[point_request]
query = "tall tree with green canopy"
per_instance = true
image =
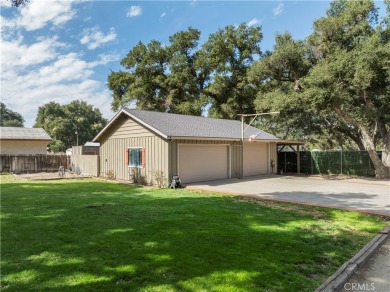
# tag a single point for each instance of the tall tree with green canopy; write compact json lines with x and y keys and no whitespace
{"x":9,"y":118}
{"x":276,"y":77}
{"x":343,"y":89}
{"x":231,"y":52}
{"x":18,"y":3}
{"x":351,"y":76}
{"x":62,"y":121}
{"x":183,"y":77}
{"x":163,"y":78}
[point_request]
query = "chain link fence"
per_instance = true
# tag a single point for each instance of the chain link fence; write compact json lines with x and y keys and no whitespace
{"x":328,"y":162}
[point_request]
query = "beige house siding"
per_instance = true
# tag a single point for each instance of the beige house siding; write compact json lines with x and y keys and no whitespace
{"x":128,"y":133}
{"x":161,"y":154}
{"x":127,"y":128}
{"x":273,"y":156}
{"x":23,"y":147}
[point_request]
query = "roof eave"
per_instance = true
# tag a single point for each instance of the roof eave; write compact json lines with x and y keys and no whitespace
{"x":24,"y":139}
{"x":107,"y":126}
{"x":202,"y":138}
{"x":146,"y":125}
{"x":290,"y":142}
{"x":115,"y":118}
{"x":220,"y":138}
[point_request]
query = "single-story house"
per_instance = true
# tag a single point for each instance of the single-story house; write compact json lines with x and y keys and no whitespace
{"x":27,"y":141}
{"x":195,"y":148}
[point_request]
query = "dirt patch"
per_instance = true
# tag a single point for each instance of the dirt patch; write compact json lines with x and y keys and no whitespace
{"x":283,"y":206}
{"x":48,"y":176}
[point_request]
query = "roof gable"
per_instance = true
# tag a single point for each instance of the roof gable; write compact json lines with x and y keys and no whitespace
{"x":17,"y":133}
{"x":174,"y":126}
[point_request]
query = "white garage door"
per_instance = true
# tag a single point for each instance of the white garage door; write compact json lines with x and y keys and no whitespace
{"x":203,"y":162}
{"x":255,"y":159}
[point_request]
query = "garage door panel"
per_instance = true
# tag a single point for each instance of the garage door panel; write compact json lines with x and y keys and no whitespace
{"x":203,"y":162}
{"x":255,"y":159}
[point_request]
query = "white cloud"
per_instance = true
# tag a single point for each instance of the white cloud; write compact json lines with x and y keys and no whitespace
{"x":104,"y":59}
{"x":163,"y":15}
{"x":134,"y":11}
{"x":278,"y":9}
{"x":5,"y":3}
{"x":15,"y":53}
{"x":253,"y":21}
{"x":94,"y":38}
{"x":37,"y":13}
{"x":40,"y":67}
{"x":193,"y":2}
{"x":67,"y":78}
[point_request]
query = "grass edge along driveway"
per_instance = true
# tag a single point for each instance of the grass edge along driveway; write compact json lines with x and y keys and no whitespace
{"x":91,"y":235}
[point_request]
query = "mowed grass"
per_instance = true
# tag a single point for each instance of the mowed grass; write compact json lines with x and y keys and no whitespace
{"x":91,"y":235}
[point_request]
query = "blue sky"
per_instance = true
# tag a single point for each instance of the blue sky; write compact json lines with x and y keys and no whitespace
{"x":60,"y":50}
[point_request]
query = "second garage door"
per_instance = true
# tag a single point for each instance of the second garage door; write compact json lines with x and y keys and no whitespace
{"x":203,"y":162}
{"x":255,"y":159}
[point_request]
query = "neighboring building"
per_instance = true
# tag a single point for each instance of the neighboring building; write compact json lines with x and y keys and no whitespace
{"x":15,"y":141}
{"x":195,"y":148}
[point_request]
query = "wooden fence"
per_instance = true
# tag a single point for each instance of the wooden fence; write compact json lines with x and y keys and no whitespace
{"x":85,"y":164}
{"x":32,"y":163}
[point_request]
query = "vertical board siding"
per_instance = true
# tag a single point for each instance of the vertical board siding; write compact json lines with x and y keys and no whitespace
{"x":126,"y":133}
{"x":112,"y":157}
{"x":274,"y":155}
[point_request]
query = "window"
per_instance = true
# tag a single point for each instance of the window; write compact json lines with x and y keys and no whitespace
{"x":135,"y":157}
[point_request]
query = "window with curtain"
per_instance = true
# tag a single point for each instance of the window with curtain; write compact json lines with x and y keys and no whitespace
{"x":135,"y":157}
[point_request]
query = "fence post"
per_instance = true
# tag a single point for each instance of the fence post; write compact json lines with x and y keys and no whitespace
{"x":285,"y":167}
{"x":341,"y":164}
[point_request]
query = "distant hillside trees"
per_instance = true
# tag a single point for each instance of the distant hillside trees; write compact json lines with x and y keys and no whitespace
{"x":62,"y":122}
{"x":9,"y":118}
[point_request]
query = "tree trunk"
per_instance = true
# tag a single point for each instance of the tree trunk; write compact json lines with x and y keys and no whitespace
{"x":382,"y":170}
{"x":382,"y":167}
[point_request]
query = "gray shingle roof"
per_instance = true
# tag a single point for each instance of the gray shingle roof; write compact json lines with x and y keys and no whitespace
{"x":15,"y":133}
{"x":175,"y":125}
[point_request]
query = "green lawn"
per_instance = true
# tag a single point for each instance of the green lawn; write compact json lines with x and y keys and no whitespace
{"x":91,"y":235}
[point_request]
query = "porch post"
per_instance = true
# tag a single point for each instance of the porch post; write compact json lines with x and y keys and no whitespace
{"x":298,"y":160}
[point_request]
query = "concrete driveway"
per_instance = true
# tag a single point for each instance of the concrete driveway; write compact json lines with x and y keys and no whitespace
{"x":367,"y":195}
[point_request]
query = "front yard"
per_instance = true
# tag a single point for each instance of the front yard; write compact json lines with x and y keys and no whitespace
{"x":93,"y":235}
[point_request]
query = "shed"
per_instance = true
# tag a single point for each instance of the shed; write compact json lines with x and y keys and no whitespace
{"x":195,"y":148}
{"x":27,"y":141}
